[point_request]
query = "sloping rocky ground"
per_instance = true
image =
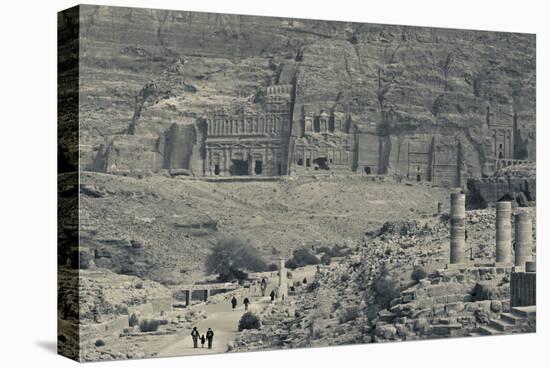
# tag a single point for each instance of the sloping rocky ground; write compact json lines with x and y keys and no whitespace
{"x":101,"y":310}
{"x":339,"y":309}
{"x":162,"y":228}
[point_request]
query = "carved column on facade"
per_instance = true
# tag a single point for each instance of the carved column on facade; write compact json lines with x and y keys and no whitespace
{"x":225,"y":171}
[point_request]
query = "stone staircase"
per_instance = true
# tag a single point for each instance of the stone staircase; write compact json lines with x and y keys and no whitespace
{"x":518,"y":320}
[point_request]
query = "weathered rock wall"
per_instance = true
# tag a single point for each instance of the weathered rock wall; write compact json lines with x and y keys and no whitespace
{"x":486,"y":191}
{"x":162,"y":66}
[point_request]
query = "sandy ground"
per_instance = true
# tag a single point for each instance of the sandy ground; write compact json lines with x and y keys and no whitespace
{"x":224,"y":320}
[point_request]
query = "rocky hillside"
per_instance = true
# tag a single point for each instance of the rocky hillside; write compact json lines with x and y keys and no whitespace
{"x":141,"y":70}
{"x":376,"y":298}
{"x":162,"y":228}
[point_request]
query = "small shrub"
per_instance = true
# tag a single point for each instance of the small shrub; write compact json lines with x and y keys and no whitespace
{"x":344,"y":277}
{"x":349,"y":314}
{"x":139,"y":285}
{"x":121,"y":309}
{"x":291,"y":264}
{"x":230,"y":257}
{"x":133,"y":320}
{"x":304,"y":257}
{"x":313,"y":286}
{"x":99,"y":343}
{"x":149,"y":325}
{"x":386,"y":287}
{"x":272,"y":267}
{"x":418,"y":274}
{"x":249,"y":321}
{"x":325,"y":259}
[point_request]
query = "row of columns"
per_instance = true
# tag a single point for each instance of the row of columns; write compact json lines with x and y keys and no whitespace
{"x":523,"y":233}
{"x":269,"y":125}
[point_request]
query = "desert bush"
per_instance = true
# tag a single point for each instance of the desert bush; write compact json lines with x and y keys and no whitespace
{"x":99,"y":343}
{"x":139,"y":285}
{"x":301,"y":257}
{"x":349,"y":314}
{"x":149,"y":325}
{"x":344,"y":277}
{"x":230,"y":257}
{"x":133,"y":320}
{"x":325,"y":259}
{"x":313,"y":286}
{"x":291,"y":264}
{"x":272,"y":267}
{"x":121,"y":309}
{"x":418,"y":273}
{"x":249,"y":321}
{"x":386,"y":287}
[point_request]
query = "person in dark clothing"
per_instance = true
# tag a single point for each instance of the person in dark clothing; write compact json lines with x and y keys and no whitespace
{"x":195,"y":335}
{"x":233,"y":303}
{"x":263,"y":286}
{"x":209,"y":337}
{"x":203,"y":340}
{"x":246,"y":302}
{"x":272,"y":295}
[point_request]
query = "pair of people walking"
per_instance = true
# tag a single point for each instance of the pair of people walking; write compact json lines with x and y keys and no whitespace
{"x":234,"y":302}
{"x":195,"y":335}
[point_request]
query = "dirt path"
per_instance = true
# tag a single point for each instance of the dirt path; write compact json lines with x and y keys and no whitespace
{"x":224,"y":320}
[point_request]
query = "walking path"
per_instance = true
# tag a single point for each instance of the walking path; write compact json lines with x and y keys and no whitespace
{"x":224,"y":321}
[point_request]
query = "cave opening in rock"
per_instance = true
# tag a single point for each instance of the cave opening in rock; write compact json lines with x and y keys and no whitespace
{"x":367,"y":170}
{"x":322,"y":163}
{"x":300,"y":162}
{"x":216,"y":169}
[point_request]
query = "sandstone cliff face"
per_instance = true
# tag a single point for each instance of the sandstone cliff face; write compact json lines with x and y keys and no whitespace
{"x":144,"y":69}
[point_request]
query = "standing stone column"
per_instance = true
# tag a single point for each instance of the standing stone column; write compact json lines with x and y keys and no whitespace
{"x":524,"y":244}
{"x":458,"y":229}
{"x":282,"y":291}
{"x":504,"y":232}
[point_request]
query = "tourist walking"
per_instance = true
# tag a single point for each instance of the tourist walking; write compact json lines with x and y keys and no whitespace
{"x":209,"y":337}
{"x":272,"y":295}
{"x":263,"y":286}
{"x":203,"y":340}
{"x":246,"y":303}
{"x":195,"y":335}
{"x":233,"y":303}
